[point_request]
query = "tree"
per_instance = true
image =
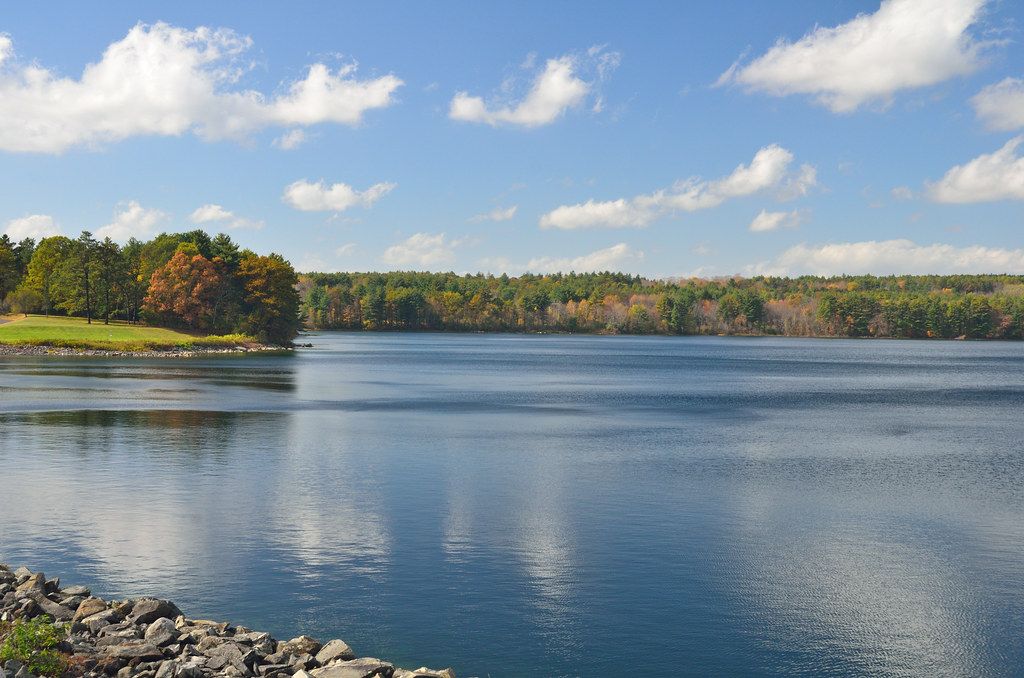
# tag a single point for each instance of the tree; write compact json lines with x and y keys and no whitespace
{"x":184,"y":291}
{"x":10,"y":267}
{"x":72,"y":286}
{"x":48,"y":259}
{"x":109,"y":271}
{"x":270,"y":300}
{"x":24,"y":300}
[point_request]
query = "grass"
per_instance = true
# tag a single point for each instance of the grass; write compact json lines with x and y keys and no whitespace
{"x":37,"y":330}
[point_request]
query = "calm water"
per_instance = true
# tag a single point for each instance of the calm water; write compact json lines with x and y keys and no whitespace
{"x":547,"y":506}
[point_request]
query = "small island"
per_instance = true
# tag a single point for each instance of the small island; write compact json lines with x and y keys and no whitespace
{"x":179,"y":294}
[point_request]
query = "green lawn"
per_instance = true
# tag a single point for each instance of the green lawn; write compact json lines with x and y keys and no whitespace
{"x":118,"y":336}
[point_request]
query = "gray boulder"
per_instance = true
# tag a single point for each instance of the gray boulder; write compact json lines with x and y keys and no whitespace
{"x":148,"y":610}
{"x":138,"y":649}
{"x":335,"y":649}
{"x":161,"y":632}
{"x":366,"y":667}
{"x":300,"y":645}
{"x":89,"y":607}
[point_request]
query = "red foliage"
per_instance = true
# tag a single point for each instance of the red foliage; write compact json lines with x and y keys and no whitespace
{"x":185,"y":289}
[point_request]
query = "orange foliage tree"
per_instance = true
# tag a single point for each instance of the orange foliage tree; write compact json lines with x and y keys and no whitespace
{"x":185,"y":290}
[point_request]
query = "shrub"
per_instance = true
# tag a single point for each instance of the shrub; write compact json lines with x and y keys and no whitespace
{"x":33,"y":643}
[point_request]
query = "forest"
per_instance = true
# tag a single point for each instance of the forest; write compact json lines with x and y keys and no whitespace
{"x":922,"y":306}
{"x":189,"y":281}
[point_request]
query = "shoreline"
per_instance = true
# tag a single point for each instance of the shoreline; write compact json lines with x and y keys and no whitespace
{"x":49,"y":350}
{"x":152,"y":638}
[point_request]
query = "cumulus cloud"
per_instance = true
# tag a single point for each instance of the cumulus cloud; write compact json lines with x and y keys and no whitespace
{"x":1001,"y":106}
{"x":35,"y":226}
{"x":319,"y":197}
{"x":163,"y":80}
{"x":989,"y":177}
{"x":772,"y":221}
{"x":346,"y":250}
{"x":497,"y":214}
{"x":884,"y":257}
{"x":422,"y":251}
{"x":905,"y":44}
{"x":611,"y":258}
{"x":556,"y":89}
{"x":768,"y":170}
{"x":291,"y":139}
{"x":215,"y":214}
{"x":132,"y":220}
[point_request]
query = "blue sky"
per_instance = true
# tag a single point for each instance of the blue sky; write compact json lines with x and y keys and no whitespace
{"x":847,"y":136}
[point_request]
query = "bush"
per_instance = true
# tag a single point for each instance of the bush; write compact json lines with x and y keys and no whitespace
{"x":33,"y":643}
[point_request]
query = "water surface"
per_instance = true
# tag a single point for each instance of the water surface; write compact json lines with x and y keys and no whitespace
{"x":547,"y":505}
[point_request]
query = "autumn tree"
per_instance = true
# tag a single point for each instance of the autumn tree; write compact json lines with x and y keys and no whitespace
{"x":270,"y":299}
{"x":184,"y":291}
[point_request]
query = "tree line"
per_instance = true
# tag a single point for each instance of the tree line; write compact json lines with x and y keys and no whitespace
{"x":188,"y":281}
{"x":954,"y":306}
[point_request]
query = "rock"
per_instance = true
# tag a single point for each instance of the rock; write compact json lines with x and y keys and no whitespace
{"x":424,"y":672}
{"x":335,"y":649}
{"x":148,"y":610}
{"x":70,"y":602}
{"x":232,"y":655}
{"x":139,"y":649}
{"x":367,"y":667}
{"x":302,"y":661}
{"x":161,"y":632}
{"x":55,"y":610}
{"x":75,"y":591}
{"x":34,"y":582}
{"x":209,"y":643}
{"x":300,"y":645}
{"x":22,"y":572}
{"x":168,"y":669}
{"x":89,"y":607}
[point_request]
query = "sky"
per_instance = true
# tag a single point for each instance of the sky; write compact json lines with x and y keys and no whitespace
{"x":669,"y":139}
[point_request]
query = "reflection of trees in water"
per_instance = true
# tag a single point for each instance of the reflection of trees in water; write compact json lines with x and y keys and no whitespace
{"x":192,"y":433}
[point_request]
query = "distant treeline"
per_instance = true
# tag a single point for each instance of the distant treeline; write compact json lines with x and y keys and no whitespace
{"x":182,"y":280}
{"x":969,"y":306}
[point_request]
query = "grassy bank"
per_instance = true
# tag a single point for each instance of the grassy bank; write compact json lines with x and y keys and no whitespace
{"x":35,"y":330}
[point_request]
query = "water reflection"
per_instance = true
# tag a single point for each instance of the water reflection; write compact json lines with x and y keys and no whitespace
{"x":547,"y":506}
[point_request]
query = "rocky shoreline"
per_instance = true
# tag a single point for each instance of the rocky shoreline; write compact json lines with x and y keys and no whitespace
{"x":70,"y":352}
{"x":151,"y":638}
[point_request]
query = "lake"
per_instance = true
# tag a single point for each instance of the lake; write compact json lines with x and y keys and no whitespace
{"x":547,"y":505}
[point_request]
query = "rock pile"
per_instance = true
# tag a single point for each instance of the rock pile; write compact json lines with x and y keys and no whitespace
{"x":151,"y":638}
{"x":66,"y":352}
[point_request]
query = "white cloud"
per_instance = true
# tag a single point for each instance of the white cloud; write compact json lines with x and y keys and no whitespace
{"x":35,"y":226}
{"x":616,"y":257}
{"x":771,"y":221}
{"x":497,"y":214}
{"x":768,"y":170}
{"x":554,"y":90}
{"x":989,"y":177}
{"x":422,"y":251}
{"x":319,"y":197}
{"x":346,"y":250}
{"x":168,"y":81}
{"x":891,"y":257}
{"x":131,"y":220}
{"x":902,"y":193}
{"x":1001,"y":106}
{"x":291,"y":139}
{"x":905,"y":44}
{"x":215,"y":214}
